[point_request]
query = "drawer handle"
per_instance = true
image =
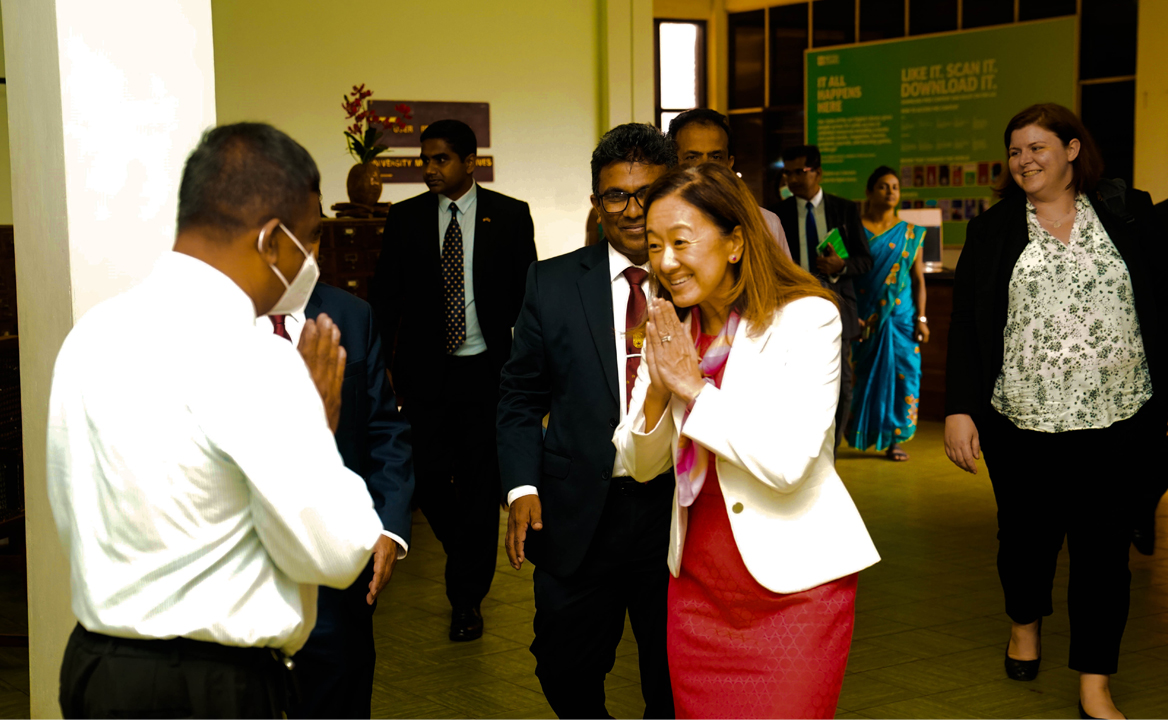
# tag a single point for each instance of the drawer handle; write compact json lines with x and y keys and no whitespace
{"x":350,"y":257}
{"x":380,"y":231}
{"x":350,"y":231}
{"x":352,"y":283}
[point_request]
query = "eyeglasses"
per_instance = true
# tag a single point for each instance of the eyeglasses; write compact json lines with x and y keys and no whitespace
{"x":796,"y":172}
{"x":615,"y":201}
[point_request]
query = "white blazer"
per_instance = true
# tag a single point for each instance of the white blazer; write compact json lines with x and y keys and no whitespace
{"x":771,"y":428}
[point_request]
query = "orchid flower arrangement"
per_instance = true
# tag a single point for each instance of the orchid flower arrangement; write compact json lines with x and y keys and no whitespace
{"x":367,"y":126}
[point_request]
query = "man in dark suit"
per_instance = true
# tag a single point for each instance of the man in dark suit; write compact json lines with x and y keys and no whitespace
{"x":807,"y":218}
{"x":597,"y":537}
{"x":448,"y":287}
{"x":334,"y":669}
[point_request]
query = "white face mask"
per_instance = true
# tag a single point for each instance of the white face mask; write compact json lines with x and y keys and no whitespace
{"x":785,"y":192}
{"x":297,"y":292}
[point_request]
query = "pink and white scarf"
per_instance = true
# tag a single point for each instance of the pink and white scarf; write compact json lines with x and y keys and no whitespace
{"x":693,"y":460}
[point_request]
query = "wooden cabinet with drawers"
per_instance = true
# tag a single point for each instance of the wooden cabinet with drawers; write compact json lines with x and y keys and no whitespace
{"x":348,"y":253}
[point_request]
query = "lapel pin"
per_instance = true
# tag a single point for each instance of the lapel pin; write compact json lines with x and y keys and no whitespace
{"x":486,"y":219}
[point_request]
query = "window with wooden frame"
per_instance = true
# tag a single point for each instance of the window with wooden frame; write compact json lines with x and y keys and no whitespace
{"x":680,"y":67}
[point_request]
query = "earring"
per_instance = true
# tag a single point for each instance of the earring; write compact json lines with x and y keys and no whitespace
{"x":733,"y":258}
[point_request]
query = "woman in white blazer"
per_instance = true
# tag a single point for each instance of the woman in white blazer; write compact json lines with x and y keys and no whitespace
{"x":738,"y":392}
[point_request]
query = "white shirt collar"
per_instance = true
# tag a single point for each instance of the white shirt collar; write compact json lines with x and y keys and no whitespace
{"x":618,"y":263}
{"x":814,"y":201}
{"x":464,"y":203}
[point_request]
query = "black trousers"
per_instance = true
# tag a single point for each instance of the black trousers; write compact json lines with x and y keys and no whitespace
{"x":456,"y":470}
{"x":1080,"y":485}
{"x":847,"y":379}
{"x":108,"y":677}
{"x":334,"y":669}
{"x":579,"y":620}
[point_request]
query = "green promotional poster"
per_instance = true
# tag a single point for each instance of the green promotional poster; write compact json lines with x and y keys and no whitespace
{"x":934,"y":108}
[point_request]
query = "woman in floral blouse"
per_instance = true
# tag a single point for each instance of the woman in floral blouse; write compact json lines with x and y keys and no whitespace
{"x":1054,"y":351}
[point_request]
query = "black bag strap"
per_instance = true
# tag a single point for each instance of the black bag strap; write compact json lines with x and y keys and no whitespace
{"x":1111,"y":192}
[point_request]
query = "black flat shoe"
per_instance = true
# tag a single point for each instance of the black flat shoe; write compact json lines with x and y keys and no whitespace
{"x":1024,"y":670}
{"x":466,"y":624}
{"x":1083,"y":712}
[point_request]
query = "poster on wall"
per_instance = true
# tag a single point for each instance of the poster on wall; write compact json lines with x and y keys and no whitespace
{"x":402,"y":169}
{"x":934,"y":109}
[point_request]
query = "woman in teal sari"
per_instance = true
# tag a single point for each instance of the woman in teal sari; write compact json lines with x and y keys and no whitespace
{"x":891,"y":302}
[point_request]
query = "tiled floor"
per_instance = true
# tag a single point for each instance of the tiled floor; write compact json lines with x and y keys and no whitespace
{"x":930,"y":631}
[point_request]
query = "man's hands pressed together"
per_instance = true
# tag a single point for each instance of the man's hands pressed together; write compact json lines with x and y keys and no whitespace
{"x":320,"y":346}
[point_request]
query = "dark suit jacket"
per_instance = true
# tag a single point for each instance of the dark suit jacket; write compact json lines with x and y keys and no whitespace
{"x":842,"y":214}
{"x":372,"y":436}
{"x":563,"y":363}
{"x":407,"y":286}
{"x":994,"y":241}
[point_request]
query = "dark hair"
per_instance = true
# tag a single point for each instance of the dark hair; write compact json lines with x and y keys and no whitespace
{"x":765,"y":279}
{"x":702,"y":116}
{"x":631,"y":142}
{"x":457,"y":135}
{"x":1087,"y":167}
{"x":879,"y":173}
{"x":803,"y":151}
{"x":242,"y":175}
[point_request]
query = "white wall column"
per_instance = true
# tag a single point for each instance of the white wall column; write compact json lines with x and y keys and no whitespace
{"x":103,"y":106}
{"x":627,"y":61}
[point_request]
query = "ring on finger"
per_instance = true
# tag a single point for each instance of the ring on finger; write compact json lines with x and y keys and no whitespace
{"x":666,"y":338}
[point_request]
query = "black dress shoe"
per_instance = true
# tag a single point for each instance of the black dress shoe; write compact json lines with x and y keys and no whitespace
{"x":466,"y":624}
{"x":1083,"y":712}
{"x":1024,"y":670}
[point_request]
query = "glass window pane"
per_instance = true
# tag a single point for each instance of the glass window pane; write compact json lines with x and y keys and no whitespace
{"x":987,"y":12}
{"x":748,"y":151}
{"x":1108,"y":44}
{"x":678,"y":60}
{"x":1109,"y":112}
{"x":931,"y":16}
{"x":747,"y":55}
{"x":788,"y":41}
{"x":833,"y":22}
{"x":1039,"y":9}
{"x":667,"y":117}
{"x":881,"y":19}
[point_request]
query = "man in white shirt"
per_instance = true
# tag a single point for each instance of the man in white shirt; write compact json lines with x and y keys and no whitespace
{"x":598,"y":539}
{"x":703,"y":135}
{"x":186,"y":454}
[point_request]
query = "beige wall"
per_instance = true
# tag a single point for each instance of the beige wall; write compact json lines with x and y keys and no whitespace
{"x":1151,"y":170}
{"x":556,"y":74}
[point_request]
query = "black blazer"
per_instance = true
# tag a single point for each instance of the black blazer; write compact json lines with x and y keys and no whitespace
{"x":372,"y":436}
{"x":842,"y":214}
{"x":563,"y":363}
{"x":994,"y":241}
{"x":407,"y":286}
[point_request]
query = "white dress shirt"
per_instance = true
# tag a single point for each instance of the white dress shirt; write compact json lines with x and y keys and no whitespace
{"x":294,"y":326}
{"x":186,"y":460}
{"x":775,"y":226}
{"x":468,"y":206}
{"x":820,"y":227}
{"x":617,"y":263}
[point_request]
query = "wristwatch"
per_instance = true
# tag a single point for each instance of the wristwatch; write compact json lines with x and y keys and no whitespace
{"x":923,"y":319}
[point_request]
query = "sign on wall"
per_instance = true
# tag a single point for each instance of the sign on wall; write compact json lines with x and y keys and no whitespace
{"x":475,"y":114}
{"x":934,"y":108}
{"x":405,"y":169}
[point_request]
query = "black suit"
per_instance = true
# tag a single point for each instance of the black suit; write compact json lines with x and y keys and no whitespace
{"x":603,"y":546}
{"x":842,"y":214}
{"x":335,"y":668}
{"x":1077,"y":484}
{"x":451,"y":401}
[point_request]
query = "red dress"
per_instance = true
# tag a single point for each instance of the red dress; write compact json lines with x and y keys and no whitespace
{"x":738,"y":650}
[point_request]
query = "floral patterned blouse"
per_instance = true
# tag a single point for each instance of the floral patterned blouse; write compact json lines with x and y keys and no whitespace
{"x":1074,"y":356}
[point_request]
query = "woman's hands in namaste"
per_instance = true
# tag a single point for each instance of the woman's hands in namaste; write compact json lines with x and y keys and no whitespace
{"x":670,"y":354}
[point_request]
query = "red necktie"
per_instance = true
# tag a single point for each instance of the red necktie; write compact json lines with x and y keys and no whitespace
{"x":634,"y":316}
{"x":278,"y":326}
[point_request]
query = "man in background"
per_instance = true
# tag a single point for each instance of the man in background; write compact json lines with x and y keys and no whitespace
{"x":448,"y":287}
{"x":809,"y":216}
{"x":334,"y":669}
{"x":598,"y":538}
{"x":703,"y":136}
{"x":186,"y":454}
